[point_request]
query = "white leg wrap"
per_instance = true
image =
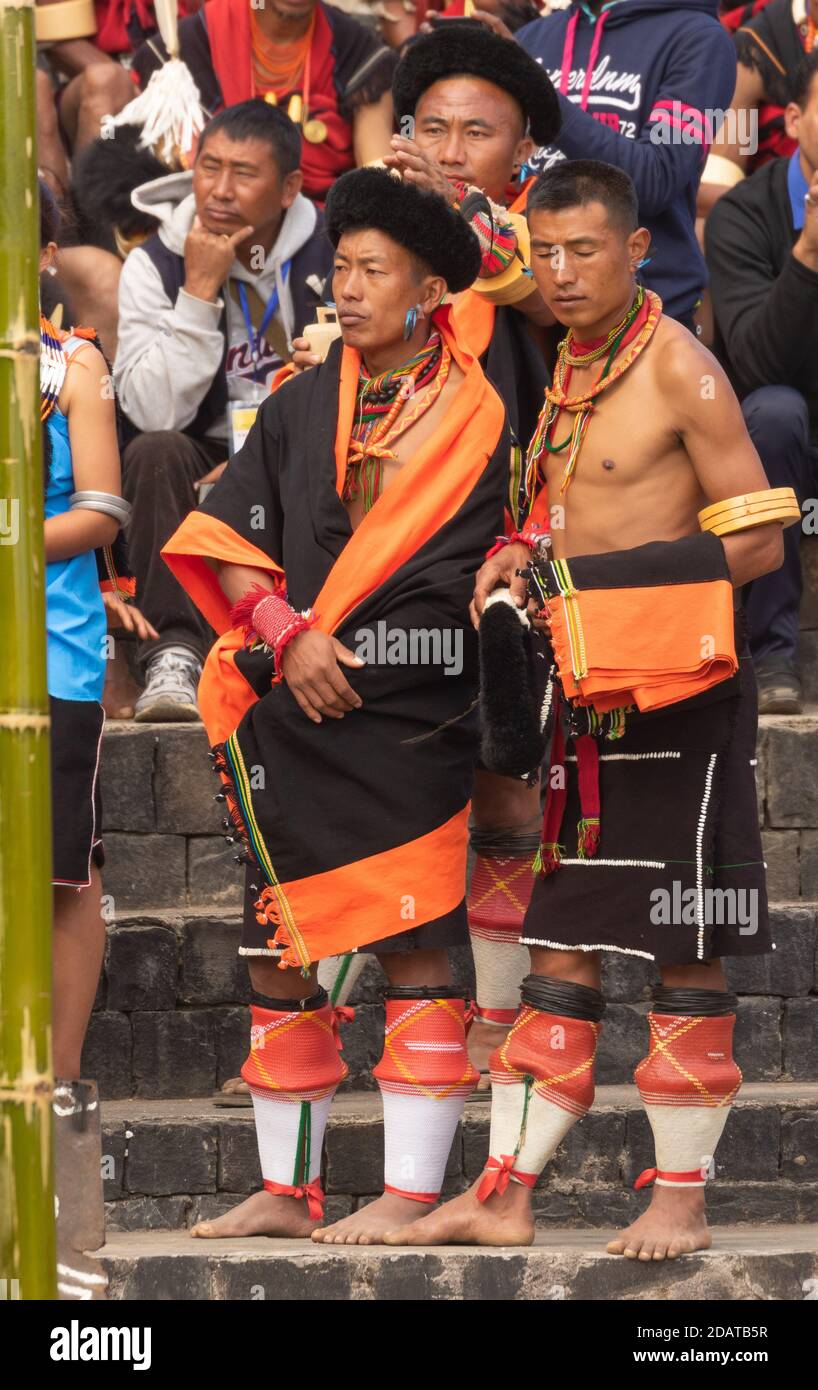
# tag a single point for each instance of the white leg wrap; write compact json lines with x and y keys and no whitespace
{"x":546,"y":1125}
{"x":686,"y":1137}
{"x":279,"y":1123}
{"x":500,"y":966}
{"x":418,"y":1134}
{"x":343,"y":973}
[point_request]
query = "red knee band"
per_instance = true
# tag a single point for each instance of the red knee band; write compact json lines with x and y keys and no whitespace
{"x":499,"y":894}
{"x":424,"y":1048}
{"x":296,"y":1055}
{"x":690,"y":1061}
{"x":557,"y":1051}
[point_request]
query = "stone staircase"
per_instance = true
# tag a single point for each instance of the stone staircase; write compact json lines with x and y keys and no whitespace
{"x":170,"y":1025}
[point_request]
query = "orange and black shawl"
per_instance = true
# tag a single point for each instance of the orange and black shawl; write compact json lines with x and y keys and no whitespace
{"x":358,"y":825}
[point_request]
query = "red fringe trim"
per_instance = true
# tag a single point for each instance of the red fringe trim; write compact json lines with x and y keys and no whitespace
{"x":241,"y":614}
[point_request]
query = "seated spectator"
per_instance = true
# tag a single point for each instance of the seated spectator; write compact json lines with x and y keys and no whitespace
{"x":208,"y":309}
{"x":770,"y":45}
{"x":82,"y":78}
{"x":329,"y":72}
{"x":624,"y":73}
{"x":762,"y":250}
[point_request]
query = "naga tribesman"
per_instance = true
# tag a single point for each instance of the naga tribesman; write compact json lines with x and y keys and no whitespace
{"x":651,"y":704}
{"x":376,"y":481}
{"x":470,"y":108}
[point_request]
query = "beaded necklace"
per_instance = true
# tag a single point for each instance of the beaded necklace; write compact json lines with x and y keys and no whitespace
{"x":53,"y":366}
{"x":633,"y":332}
{"x":278,"y":66}
{"x":379,"y":419}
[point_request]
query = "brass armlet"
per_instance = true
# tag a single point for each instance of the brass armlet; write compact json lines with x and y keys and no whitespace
{"x":751,"y":509}
{"x":67,"y":19}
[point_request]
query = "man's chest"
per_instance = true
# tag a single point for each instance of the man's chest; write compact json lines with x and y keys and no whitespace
{"x":626,"y":439}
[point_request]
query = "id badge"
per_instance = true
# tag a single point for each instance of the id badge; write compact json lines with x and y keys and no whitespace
{"x":242,"y":418}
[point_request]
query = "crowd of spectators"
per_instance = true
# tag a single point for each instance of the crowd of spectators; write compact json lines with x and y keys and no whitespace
{"x":201,"y":258}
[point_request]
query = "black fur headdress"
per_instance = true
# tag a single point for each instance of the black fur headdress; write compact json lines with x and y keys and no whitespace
{"x":467,"y":47}
{"x":423,"y":223}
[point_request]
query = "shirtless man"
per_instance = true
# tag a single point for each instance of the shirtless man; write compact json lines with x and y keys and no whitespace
{"x":664,"y":440}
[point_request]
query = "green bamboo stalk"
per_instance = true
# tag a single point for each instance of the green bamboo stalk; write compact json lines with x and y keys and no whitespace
{"x":27,"y":1234}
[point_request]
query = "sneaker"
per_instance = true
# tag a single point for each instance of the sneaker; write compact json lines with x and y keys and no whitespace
{"x":169,"y":696}
{"x":779,"y":690}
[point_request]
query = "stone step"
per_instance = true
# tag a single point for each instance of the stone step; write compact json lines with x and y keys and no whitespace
{"x":745,"y":1263}
{"x":170,"y":1017}
{"x":168,"y":1164}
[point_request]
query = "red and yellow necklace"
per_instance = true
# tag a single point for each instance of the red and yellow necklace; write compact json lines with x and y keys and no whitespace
{"x":629,"y":337}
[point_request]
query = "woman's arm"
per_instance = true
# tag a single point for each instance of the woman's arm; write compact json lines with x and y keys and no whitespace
{"x":87,"y":400}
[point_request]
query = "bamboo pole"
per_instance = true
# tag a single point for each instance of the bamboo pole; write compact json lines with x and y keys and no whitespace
{"x":27,"y":1235}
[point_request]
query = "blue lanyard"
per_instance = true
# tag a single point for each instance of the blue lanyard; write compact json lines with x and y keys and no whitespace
{"x":253,"y":336}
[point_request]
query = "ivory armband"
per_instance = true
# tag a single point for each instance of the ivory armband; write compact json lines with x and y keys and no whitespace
{"x":751,"y":509}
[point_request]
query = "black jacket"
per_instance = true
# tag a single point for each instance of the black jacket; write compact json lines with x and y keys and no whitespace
{"x":765,"y":301}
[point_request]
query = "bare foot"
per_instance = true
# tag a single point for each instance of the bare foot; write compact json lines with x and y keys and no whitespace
{"x":235,"y":1086}
{"x":674,"y":1224}
{"x":501,"y":1220}
{"x":121,"y":690}
{"x":366,"y":1227}
{"x":483,"y":1039}
{"x":263,"y":1214}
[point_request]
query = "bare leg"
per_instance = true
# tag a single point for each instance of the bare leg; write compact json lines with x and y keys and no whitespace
{"x":674,"y":1223}
{"x":121,"y":691}
{"x":91,"y":280}
{"x":50,"y":152}
{"x":102,"y":89}
{"x":504,"y":1218}
{"x":79,"y":946}
{"x":266,"y":1213}
{"x":366,"y":1227}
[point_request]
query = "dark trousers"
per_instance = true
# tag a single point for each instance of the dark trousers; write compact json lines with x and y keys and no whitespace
{"x":158,"y":473}
{"x":778,"y":422}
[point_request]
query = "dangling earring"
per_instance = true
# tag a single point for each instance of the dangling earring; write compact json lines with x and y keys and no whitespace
{"x":411,"y":321}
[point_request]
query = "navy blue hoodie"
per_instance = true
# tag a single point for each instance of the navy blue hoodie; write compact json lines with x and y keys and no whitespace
{"x":661,"y":66}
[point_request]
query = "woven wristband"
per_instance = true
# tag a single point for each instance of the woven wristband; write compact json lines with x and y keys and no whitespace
{"x":269,"y":619}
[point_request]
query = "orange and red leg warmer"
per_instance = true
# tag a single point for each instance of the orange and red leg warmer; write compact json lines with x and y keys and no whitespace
{"x":542,"y":1080}
{"x":687,"y":1082}
{"x":499,"y":893}
{"x":293,"y":1071}
{"x":425,"y":1077}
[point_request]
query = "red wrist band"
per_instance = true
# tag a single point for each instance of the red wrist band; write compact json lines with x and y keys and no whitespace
{"x":503,"y":541}
{"x":270,"y":619}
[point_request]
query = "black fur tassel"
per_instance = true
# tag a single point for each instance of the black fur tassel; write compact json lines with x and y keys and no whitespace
{"x":512,"y":743}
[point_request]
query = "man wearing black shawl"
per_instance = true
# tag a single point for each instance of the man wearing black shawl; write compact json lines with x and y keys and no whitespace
{"x":376,"y":483}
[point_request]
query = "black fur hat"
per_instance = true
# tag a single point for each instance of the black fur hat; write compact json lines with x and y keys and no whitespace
{"x":423,"y":223}
{"x":467,"y":47}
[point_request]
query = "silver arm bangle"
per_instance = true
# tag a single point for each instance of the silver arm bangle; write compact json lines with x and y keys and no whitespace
{"x":106,"y":502}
